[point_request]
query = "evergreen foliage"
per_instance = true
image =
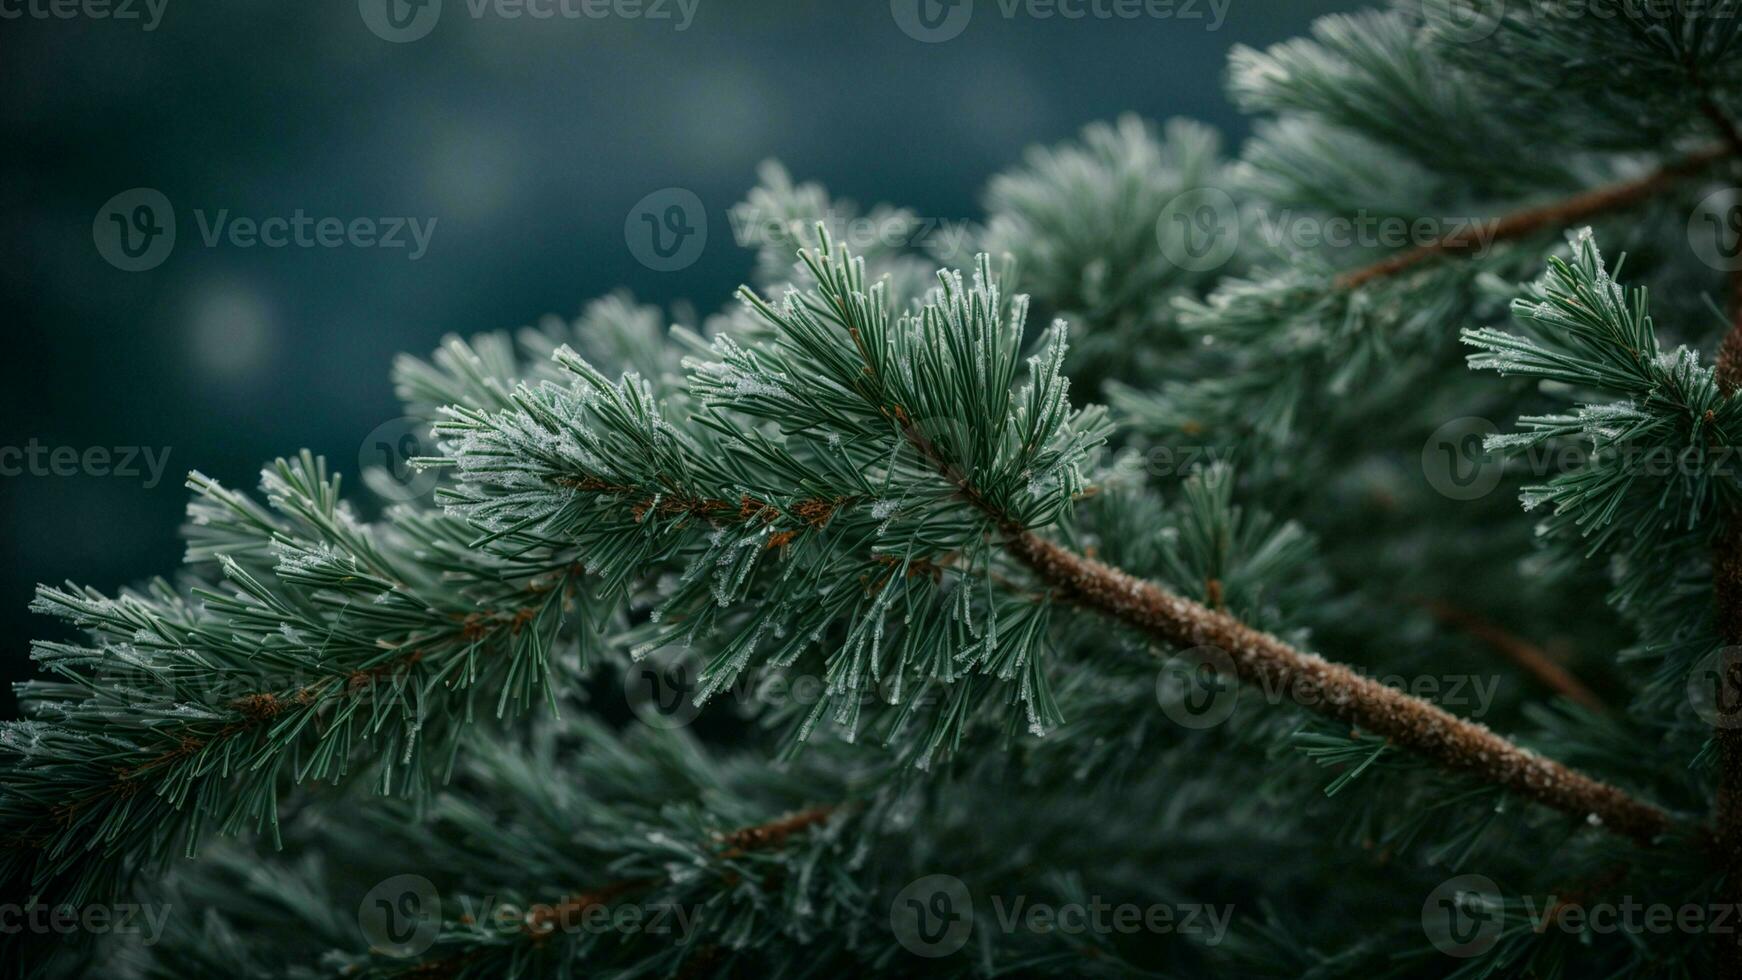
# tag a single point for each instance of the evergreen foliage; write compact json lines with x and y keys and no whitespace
{"x":950,"y":629}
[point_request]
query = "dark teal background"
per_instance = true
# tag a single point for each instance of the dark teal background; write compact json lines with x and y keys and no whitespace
{"x":528,"y":141}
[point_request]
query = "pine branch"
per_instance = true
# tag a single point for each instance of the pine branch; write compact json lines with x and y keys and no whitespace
{"x":841,"y":370}
{"x":1262,"y":659}
{"x":1591,"y":335}
{"x":853,"y":490}
{"x":1556,"y":215}
{"x":334,"y":646}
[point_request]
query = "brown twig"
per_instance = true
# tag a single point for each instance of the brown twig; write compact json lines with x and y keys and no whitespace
{"x":1533,"y":659}
{"x":735,"y":844}
{"x":774,"y":833}
{"x":1548,"y":217}
{"x":1335,"y":690}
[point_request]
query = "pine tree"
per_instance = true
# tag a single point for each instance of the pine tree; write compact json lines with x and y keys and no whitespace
{"x":962,"y":641}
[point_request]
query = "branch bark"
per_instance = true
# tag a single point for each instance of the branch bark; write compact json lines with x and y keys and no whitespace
{"x":1336,"y":691}
{"x":1548,"y":217}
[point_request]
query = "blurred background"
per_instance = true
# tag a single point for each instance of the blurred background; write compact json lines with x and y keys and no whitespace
{"x":518,"y":146}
